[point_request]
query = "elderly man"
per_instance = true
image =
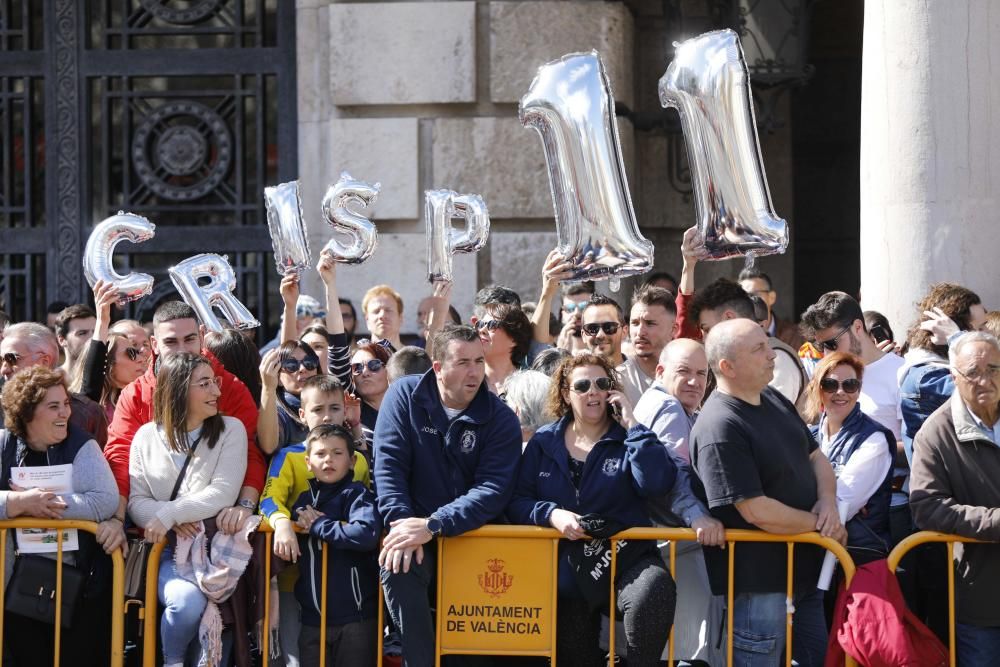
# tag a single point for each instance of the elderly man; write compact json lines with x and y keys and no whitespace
{"x":28,"y":344}
{"x":762,"y":469}
{"x":669,"y":409}
{"x":650,"y":328}
{"x":954,"y":489}
{"x":446,"y":453}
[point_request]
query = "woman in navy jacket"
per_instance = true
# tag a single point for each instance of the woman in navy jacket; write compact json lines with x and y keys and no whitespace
{"x":587,"y":466}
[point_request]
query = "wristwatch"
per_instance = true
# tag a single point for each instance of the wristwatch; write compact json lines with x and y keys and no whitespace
{"x":247,"y":504}
{"x":434,"y":526}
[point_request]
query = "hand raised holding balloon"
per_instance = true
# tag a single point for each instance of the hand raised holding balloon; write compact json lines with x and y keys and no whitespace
{"x":327,"y":268}
{"x":105,"y":295}
{"x":556,"y":269}
{"x":269,"y":369}
{"x":289,"y":289}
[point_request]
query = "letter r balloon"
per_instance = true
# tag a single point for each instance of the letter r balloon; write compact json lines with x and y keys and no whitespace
{"x":709,"y":85}
{"x":218,"y":292}
{"x":97,"y":256}
{"x":443,"y":240}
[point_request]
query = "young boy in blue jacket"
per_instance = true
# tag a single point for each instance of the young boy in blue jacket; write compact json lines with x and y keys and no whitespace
{"x":340,"y":512}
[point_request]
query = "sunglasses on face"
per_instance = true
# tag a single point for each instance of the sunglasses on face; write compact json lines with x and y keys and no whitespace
{"x":609,"y":328}
{"x":11,"y":358}
{"x":830,"y":385}
{"x":292,"y":365}
{"x":570,"y":308}
{"x":489,"y":325}
{"x":134,"y":353}
{"x":373,"y":366}
{"x":583,"y":386}
{"x":831,"y":344}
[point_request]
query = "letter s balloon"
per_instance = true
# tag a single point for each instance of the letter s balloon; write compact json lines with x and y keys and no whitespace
{"x":359,"y":229}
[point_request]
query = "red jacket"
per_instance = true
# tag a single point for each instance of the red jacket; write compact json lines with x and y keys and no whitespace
{"x":135,"y":408}
{"x":872,"y":624}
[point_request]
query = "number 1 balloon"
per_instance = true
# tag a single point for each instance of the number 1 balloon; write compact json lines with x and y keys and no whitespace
{"x":570,"y":105}
{"x":97,"y":256}
{"x":708,"y":84}
{"x":218,"y":292}
{"x":288,"y":231}
{"x":443,"y":240}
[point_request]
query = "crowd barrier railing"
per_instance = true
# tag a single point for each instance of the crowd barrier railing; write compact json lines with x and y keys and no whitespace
{"x":117,"y":638}
{"x":929,"y":537}
{"x":457,"y":553}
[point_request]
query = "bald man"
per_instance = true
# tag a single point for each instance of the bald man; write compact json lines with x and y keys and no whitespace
{"x":669,"y":409}
{"x":761,"y":469}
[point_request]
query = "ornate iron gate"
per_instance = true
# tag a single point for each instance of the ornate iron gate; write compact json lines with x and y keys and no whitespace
{"x":179,"y":110}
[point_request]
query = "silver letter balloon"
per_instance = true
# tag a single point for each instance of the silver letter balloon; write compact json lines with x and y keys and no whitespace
{"x":288,"y":230}
{"x":218,"y":292}
{"x":358,"y":228}
{"x":708,"y":84}
{"x":443,"y":240}
{"x":97,"y":256}
{"x":570,"y":105}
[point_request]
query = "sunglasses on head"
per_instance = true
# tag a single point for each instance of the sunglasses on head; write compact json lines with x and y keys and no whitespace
{"x":570,"y":308}
{"x":609,"y":328}
{"x":830,"y":385}
{"x":292,"y":365}
{"x":489,"y":325}
{"x":583,"y":386}
{"x":373,"y":366}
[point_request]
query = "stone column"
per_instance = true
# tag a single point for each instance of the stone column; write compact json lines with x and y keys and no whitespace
{"x":930,"y":152}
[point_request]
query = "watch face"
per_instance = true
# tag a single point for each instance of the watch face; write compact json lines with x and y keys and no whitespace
{"x":434,"y":526}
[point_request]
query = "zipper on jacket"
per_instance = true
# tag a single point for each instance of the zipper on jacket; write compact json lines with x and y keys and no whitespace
{"x":312,"y":574}
{"x":356,"y":587}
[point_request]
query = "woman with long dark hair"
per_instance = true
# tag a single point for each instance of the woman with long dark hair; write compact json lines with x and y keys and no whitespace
{"x":282,"y":374}
{"x":185,"y":466}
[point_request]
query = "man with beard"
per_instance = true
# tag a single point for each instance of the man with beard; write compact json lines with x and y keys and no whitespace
{"x":603,"y":328}
{"x":651,"y":327}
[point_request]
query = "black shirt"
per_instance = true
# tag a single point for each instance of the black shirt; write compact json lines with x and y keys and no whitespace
{"x":741,"y":451}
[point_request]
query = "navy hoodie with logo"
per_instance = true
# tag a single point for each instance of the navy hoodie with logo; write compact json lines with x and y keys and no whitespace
{"x":462,"y":471}
{"x":622,"y":471}
{"x":351,"y":528}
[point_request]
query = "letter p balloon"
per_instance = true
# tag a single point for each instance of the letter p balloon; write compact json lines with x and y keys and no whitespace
{"x":570,"y":105}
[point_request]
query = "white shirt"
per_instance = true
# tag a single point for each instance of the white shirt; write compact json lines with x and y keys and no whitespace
{"x":880,"y":392}
{"x":787,"y":377}
{"x":864,"y":472}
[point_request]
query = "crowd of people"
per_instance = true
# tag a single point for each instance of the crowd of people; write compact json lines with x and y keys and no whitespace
{"x":684,"y":407}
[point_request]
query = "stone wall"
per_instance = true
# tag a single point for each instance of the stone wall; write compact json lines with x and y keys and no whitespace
{"x":422,"y":95}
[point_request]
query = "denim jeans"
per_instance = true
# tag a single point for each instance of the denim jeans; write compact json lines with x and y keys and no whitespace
{"x":759,"y":629}
{"x":977,"y":646}
{"x":183,"y":604}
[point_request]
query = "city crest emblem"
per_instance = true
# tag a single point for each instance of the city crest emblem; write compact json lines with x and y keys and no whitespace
{"x":495,"y":581}
{"x":468,"y":441}
{"x":610,"y":467}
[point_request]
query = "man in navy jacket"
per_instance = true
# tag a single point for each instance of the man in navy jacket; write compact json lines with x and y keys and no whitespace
{"x":446,"y":456}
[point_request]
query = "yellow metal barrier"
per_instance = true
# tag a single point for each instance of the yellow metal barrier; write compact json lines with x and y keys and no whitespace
{"x":673,"y":535}
{"x":928,"y":537}
{"x":117,"y":582}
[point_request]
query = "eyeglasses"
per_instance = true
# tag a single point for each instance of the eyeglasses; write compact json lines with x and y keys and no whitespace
{"x":489,"y":325}
{"x":583,"y":386}
{"x":570,"y":308}
{"x":292,"y":365}
{"x":208,"y":382}
{"x":609,"y":328}
{"x":831,"y":344}
{"x":830,"y":385}
{"x":373,"y":366}
{"x":975,"y":375}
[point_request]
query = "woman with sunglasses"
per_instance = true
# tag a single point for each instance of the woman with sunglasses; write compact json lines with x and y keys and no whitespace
{"x":369,"y":382}
{"x":860,"y":449}
{"x":506,"y":333}
{"x":282,"y":374}
{"x":586,"y":471}
{"x":185,"y":466}
{"x":117,"y":354}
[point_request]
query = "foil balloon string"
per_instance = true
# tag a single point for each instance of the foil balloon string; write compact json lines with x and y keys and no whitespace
{"x":98,"y":255}
{"x":218,"y":292}
{"x":443,"y":240}
{"x":287,"y":228}
{"x":570,"y":105}
{"x":709,"y":85}
{"x":342,"y":206}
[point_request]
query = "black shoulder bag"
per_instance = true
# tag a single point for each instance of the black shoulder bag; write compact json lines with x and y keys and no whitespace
{"x":139,"y":549}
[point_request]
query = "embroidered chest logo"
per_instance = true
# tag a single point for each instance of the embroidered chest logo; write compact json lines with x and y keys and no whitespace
{"x":468,"y":441}
{"x":495,"y":581}
{"x":610,"y":467}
